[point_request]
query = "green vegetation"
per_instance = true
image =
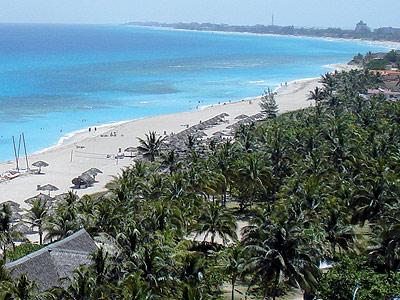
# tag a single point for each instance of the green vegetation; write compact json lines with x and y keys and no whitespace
{"x":339,"y":282}
{"x":373,"y":62}
{"x":382,"y":34}
{"x":22,"y":250}
{"x":311,"y":185}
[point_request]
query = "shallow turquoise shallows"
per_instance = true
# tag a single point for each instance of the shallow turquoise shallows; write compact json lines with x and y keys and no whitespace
{"x":56,"y":79}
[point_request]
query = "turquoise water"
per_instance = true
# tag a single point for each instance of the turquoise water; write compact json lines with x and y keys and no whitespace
{"x":56,"y":79}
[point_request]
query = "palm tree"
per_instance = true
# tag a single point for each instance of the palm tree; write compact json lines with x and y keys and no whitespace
{"x":81,"y":285}
{"x":36,"y":216}
{"x":232,"y":263}
{"x":317,"y":95}
{"x":214,"y":220}
{"x":268,"y":265}
{"x":171,"y":161}
{"x":328,"y":81}
{"x":285,"y":252}
{"x":18,"y":289}
{"x":338,"y":234}
{"x":61,"y":224}
{"x":133,"y":287}
{"x":8,"y":235}
{"x":151,"y":146}
{"x":268,"y":104}
{"x":253,"y":178}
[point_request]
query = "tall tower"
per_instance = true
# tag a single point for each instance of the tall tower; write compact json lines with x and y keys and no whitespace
{"x":273,"y":21}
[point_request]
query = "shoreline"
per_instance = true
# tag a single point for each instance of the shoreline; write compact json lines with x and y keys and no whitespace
{"x":84,"y":150}
{"x":103,"y":148}
{"x":385,"y":44}
{"x":80,"y":135}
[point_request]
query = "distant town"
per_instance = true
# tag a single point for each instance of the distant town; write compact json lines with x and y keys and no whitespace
{"x":360,"y":31}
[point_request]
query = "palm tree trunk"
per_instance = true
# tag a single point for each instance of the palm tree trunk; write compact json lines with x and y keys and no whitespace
{"x":276,"y":281}
{"x":233,"y":288}
{"x":40,"y":236}
{"x":4,"y":253}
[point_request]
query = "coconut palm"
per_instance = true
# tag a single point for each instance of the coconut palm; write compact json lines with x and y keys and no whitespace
{"x":61,"y":224}
{"x":232,"y":263}
{"x":150,"y":147}
{"x":171,"y":161}
{"x":268,"y":104}
{"x":36,"y":217}
{"x":215,"y":221}
{"x":317,"y":95}
{"x":19,"y":289}
{"x":8,"y":235}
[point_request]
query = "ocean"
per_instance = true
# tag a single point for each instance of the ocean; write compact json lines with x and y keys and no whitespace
{"x":57,"y":79}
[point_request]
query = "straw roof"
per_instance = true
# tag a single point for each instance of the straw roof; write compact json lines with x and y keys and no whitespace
{"x":49,"y":265}
{"x":130,"y":149}
{"x":48,"y":187}
{"x":13,"y":205}
{"x":41,"y":197}
{"x":40,"y":164}
{"x":95,"y":171}
{"x":241,"y":117}
{"x":88,"y":179}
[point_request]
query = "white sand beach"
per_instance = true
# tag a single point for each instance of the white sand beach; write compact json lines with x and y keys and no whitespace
{"x":98,"y":149}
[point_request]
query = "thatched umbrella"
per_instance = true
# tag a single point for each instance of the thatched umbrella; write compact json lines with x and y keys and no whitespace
{"x":13,"y":205}
{"x":87,"y":179}
{"x":24,"y":229}
{"x":78,"y":182}
{"x":131,"y":150}
{"x":219,"y":134}
{"x":49,"y":188}
{"x":92,"y":172}
{"x":40,"y":164}
{"x":240,"y":117}
{"x":95,"y":170}
{"x":201,"y":134}
{"x":41,"y":197}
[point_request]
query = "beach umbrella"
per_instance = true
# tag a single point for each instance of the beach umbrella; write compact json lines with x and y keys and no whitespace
{"x":24,"y":229}
{"x":13,"y":205}
{"x":131,"y":150}
{"x":78,"y":181}
{"x":87,"y":178}
{"x":41,"y":197}
{"x":40,"y":164}
{"x":60,"y":197}
{"x":218,"y":133}
{"x":92,"y":172}
{"x":95,"y":171}
{"x":201,"y":134}
{"x":240,"y":117}
{"x":49,"y":188}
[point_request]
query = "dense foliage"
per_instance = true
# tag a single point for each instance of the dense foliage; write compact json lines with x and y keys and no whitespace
{"x":376,"y":61}
{"x":304,"y":187}
{"x":23,"y":250}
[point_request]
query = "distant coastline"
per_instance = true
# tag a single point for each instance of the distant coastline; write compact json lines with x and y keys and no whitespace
{"x":393,"y":43}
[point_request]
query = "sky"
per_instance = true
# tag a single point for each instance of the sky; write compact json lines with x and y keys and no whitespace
{"x":309,"y":13}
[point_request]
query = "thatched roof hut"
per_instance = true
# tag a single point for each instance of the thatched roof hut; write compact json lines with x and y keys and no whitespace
{"x":49,"y":265}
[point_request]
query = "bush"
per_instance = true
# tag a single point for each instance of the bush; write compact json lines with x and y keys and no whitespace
{"x":341,"y":280}
{"x":22,"y":250}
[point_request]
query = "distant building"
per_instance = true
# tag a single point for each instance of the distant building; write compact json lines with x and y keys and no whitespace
{"x":362,"y":27}
{"x":51,"y":265}
{"x":387,"y":30}
{"x":389,"y":95}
